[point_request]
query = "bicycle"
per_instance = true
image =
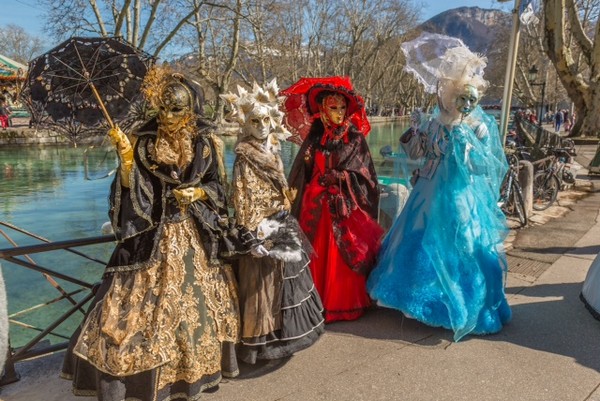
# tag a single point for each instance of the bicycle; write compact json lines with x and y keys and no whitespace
{"x":521,"y":152}
{"x":511,"y":200}
{"x":552,"y":178}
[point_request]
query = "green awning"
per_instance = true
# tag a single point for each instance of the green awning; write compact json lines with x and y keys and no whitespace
{"x":10,"y":67}
{"x":10,"y":63}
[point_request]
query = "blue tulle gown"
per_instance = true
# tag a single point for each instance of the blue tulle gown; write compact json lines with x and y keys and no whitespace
{"x":442,"y":262}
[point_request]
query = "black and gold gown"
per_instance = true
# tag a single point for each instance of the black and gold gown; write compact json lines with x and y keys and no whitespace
{"x":165,"y":318}
{"x":281,"y":311}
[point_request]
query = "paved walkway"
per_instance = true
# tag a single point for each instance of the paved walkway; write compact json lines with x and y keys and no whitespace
{"x":550,"y":351}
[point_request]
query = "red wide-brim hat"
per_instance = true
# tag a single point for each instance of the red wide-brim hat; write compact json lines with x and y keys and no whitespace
{"x":301,"y":106}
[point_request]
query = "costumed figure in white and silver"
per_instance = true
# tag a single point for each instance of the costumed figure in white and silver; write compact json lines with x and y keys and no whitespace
{"x":166,"y":318}
{"x":280,"y":308}
{"x":3,"y":323}
{"x":590,"y":292}
{"x":442,"y":262}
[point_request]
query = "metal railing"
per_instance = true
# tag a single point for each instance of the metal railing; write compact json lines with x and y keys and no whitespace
{"x":19,"y":255}
{"x":537,"y":136}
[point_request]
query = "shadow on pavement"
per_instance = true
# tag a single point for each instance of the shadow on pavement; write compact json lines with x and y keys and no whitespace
{"x":261,"y":368}
{"x":391,"y":325}
{"x":559,"y":250}
{"x":556,"y":322}
{"x":549,"y":318}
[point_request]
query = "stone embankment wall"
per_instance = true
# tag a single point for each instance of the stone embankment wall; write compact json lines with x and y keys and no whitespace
{"x":26,"y":136}
{"x":383,"y":120}
{"x":20,"y":134}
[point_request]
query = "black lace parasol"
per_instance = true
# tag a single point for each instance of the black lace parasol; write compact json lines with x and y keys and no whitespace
{"x":84,"y":85}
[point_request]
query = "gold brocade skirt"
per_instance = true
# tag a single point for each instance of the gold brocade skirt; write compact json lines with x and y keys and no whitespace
{"x":174,"y":314}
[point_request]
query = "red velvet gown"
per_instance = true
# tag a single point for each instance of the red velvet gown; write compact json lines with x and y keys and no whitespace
{"x":345,"y":246}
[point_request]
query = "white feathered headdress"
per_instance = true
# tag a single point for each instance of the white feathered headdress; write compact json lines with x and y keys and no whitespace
{"x":438,"y":60}
{"x":244,"y":102}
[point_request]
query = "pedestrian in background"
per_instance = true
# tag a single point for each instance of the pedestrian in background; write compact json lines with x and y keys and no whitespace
{"x":558,"y":120}
{"x":567,"y":121}
{"x":4,"y":114}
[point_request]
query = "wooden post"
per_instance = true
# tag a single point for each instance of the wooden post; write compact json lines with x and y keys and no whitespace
{"x":526,"y":182}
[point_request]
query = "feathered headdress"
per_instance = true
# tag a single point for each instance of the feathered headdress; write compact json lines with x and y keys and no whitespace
{"x":244,"y":102}
{"x":436,"y":60}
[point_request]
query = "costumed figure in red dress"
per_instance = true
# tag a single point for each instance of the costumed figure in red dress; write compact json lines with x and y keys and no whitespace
{"x":337,"y":200}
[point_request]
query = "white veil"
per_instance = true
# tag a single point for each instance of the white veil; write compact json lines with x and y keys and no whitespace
{"x":432,"y":58}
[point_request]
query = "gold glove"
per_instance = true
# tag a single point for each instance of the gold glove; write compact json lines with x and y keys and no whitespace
{"x":123,"y":145}
{"x":188,"y":195}
{"x":290,"y":194}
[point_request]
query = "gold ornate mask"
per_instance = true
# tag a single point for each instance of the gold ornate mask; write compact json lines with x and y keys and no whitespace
{"x":174,"y":106}
{"x":333,"y":109}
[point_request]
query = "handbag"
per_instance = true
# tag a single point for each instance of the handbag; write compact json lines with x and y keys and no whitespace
{"x":359,"y":236}
{"x":338,"y":203}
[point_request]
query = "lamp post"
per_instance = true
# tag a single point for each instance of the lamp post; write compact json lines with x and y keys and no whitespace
{"x":511,"y":64}
{"x":531,"y":77}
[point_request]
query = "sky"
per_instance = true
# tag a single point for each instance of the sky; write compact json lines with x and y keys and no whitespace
{"x":27,"y":15}
{"x":435,"y":7}
{"x":23,"y":13}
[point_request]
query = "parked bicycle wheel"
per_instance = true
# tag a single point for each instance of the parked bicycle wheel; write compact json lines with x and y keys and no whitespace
{"x":568,"y":177}
{"x":518,"y":204}
{"x":545,"y":190}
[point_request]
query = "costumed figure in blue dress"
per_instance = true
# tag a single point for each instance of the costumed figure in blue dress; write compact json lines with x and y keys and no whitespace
{"x":442,"y":262}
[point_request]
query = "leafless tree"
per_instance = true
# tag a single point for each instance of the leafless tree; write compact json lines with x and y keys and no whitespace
{"x":229,"y":42}
{"x":18,"y":44}
{"x":358,"y":38}
{"x":215,"y":55}
{"x":150,"y":25}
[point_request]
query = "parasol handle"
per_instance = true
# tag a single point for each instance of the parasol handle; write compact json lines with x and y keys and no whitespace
{"x":100,"y":102}
{"x":104,"y":111}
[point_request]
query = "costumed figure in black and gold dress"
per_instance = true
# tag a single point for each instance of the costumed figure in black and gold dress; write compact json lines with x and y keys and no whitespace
{"x":280,"y":308}
{"x":166,"y":315}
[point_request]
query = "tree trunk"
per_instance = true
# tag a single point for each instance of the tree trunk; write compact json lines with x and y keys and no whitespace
{"x":231,"y":63}
{"x":589,"y":125}
{"x":582,"y":90}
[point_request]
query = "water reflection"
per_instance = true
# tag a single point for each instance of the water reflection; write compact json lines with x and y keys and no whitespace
{"x":45,"y":191}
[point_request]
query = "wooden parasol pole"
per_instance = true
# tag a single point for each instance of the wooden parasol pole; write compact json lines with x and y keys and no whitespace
{"x":100,"y":102}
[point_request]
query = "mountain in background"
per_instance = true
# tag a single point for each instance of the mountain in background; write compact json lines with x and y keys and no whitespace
{"x":479,"y":28}
{"x":484,"y":31}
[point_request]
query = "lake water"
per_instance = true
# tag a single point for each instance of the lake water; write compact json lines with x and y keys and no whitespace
{"x":45,"y":192}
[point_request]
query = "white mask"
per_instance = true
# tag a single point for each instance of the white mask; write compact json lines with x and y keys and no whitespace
{"x":258,"y":123}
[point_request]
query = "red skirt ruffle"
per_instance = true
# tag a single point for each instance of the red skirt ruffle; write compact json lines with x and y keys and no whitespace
{"x":342,"y":290}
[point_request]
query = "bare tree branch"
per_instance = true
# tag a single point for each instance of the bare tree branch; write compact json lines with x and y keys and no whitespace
{"x":99,"y":19}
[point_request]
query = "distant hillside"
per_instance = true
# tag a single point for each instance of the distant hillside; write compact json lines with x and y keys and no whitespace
{"x":483,"y":31}
{"x":477,"y":27}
